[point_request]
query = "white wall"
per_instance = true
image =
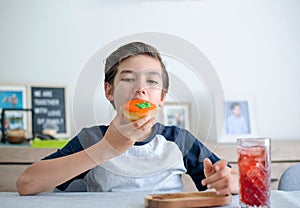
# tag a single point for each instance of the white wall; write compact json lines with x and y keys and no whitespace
{"x":254,"y":45}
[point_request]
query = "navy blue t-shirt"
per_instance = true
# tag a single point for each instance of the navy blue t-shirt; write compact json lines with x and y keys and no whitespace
{"x":193,"y":151}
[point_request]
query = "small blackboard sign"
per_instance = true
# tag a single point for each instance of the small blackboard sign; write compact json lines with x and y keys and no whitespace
{"x":49,"y":108}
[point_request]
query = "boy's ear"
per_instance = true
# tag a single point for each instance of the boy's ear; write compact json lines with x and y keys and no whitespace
{"x":108,"y":88}
{"x":163,"y":98}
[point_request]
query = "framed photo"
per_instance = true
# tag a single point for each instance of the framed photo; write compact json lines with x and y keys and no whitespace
{"x":239,"y":120}
{"x":177,"y":114}
{"x":50,"y":107}
{"x":13,"y":97}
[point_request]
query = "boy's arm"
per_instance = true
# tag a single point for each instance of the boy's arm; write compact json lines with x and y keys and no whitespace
{"x":46,"y":174}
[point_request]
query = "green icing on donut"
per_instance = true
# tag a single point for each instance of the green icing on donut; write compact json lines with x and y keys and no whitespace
{"x":143,"y":105}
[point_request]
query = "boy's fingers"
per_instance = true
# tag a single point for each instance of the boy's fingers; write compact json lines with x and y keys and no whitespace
{"x":148,"y":125}
{"x":219,"y":175}
{"x":208,"y":167}
{"x":141,"y":122}
{"x":222,"y":186}
{"x":141,"y":131}
{"x":214,"y":172}
{"x":220,"y":164}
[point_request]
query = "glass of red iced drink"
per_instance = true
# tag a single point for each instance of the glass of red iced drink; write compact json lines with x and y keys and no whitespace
{"x":254,"y":172}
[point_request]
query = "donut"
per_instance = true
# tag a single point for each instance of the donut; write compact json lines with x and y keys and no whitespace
{"x":138,"y":108}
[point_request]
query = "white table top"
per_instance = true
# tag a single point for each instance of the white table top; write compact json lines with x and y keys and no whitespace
{"x":279,"y":199}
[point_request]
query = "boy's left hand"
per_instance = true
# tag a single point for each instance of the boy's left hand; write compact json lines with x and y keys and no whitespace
{"x":218,"y":176}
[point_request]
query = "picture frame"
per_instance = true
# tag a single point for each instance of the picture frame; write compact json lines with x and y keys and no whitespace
{"x":14,"y":98}
{"x":51,"y":109}
{"x":240,"y":119}
{"x":176,"y":114}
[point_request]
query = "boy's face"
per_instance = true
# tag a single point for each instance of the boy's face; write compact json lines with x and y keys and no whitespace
{"x":138,"y":77}
{"x":236,"y":110}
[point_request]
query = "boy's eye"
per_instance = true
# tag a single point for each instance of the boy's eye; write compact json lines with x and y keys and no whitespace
{"x":127,"y":79}
{"x":152,"y":81}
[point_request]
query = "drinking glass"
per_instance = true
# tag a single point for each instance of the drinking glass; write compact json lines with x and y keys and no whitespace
{"x":254,"y":165}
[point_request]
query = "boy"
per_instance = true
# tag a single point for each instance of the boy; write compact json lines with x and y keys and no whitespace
{"x":131,"y":156}
{"x":236,"y":122}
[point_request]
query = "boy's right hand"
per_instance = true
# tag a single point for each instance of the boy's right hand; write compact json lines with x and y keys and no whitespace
{"x":122,"y":134}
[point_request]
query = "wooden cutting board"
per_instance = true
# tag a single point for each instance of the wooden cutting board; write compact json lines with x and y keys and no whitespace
{"x":187,"y":200}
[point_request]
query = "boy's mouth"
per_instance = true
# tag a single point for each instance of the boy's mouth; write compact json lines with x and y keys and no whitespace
{"x":139,"y":98}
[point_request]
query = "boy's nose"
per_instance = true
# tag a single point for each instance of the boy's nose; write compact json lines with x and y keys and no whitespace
{"x":139,"y":88}
{"x":140,"y":91}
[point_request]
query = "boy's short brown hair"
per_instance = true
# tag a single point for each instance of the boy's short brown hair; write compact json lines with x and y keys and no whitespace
{"x":129,"y":50}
